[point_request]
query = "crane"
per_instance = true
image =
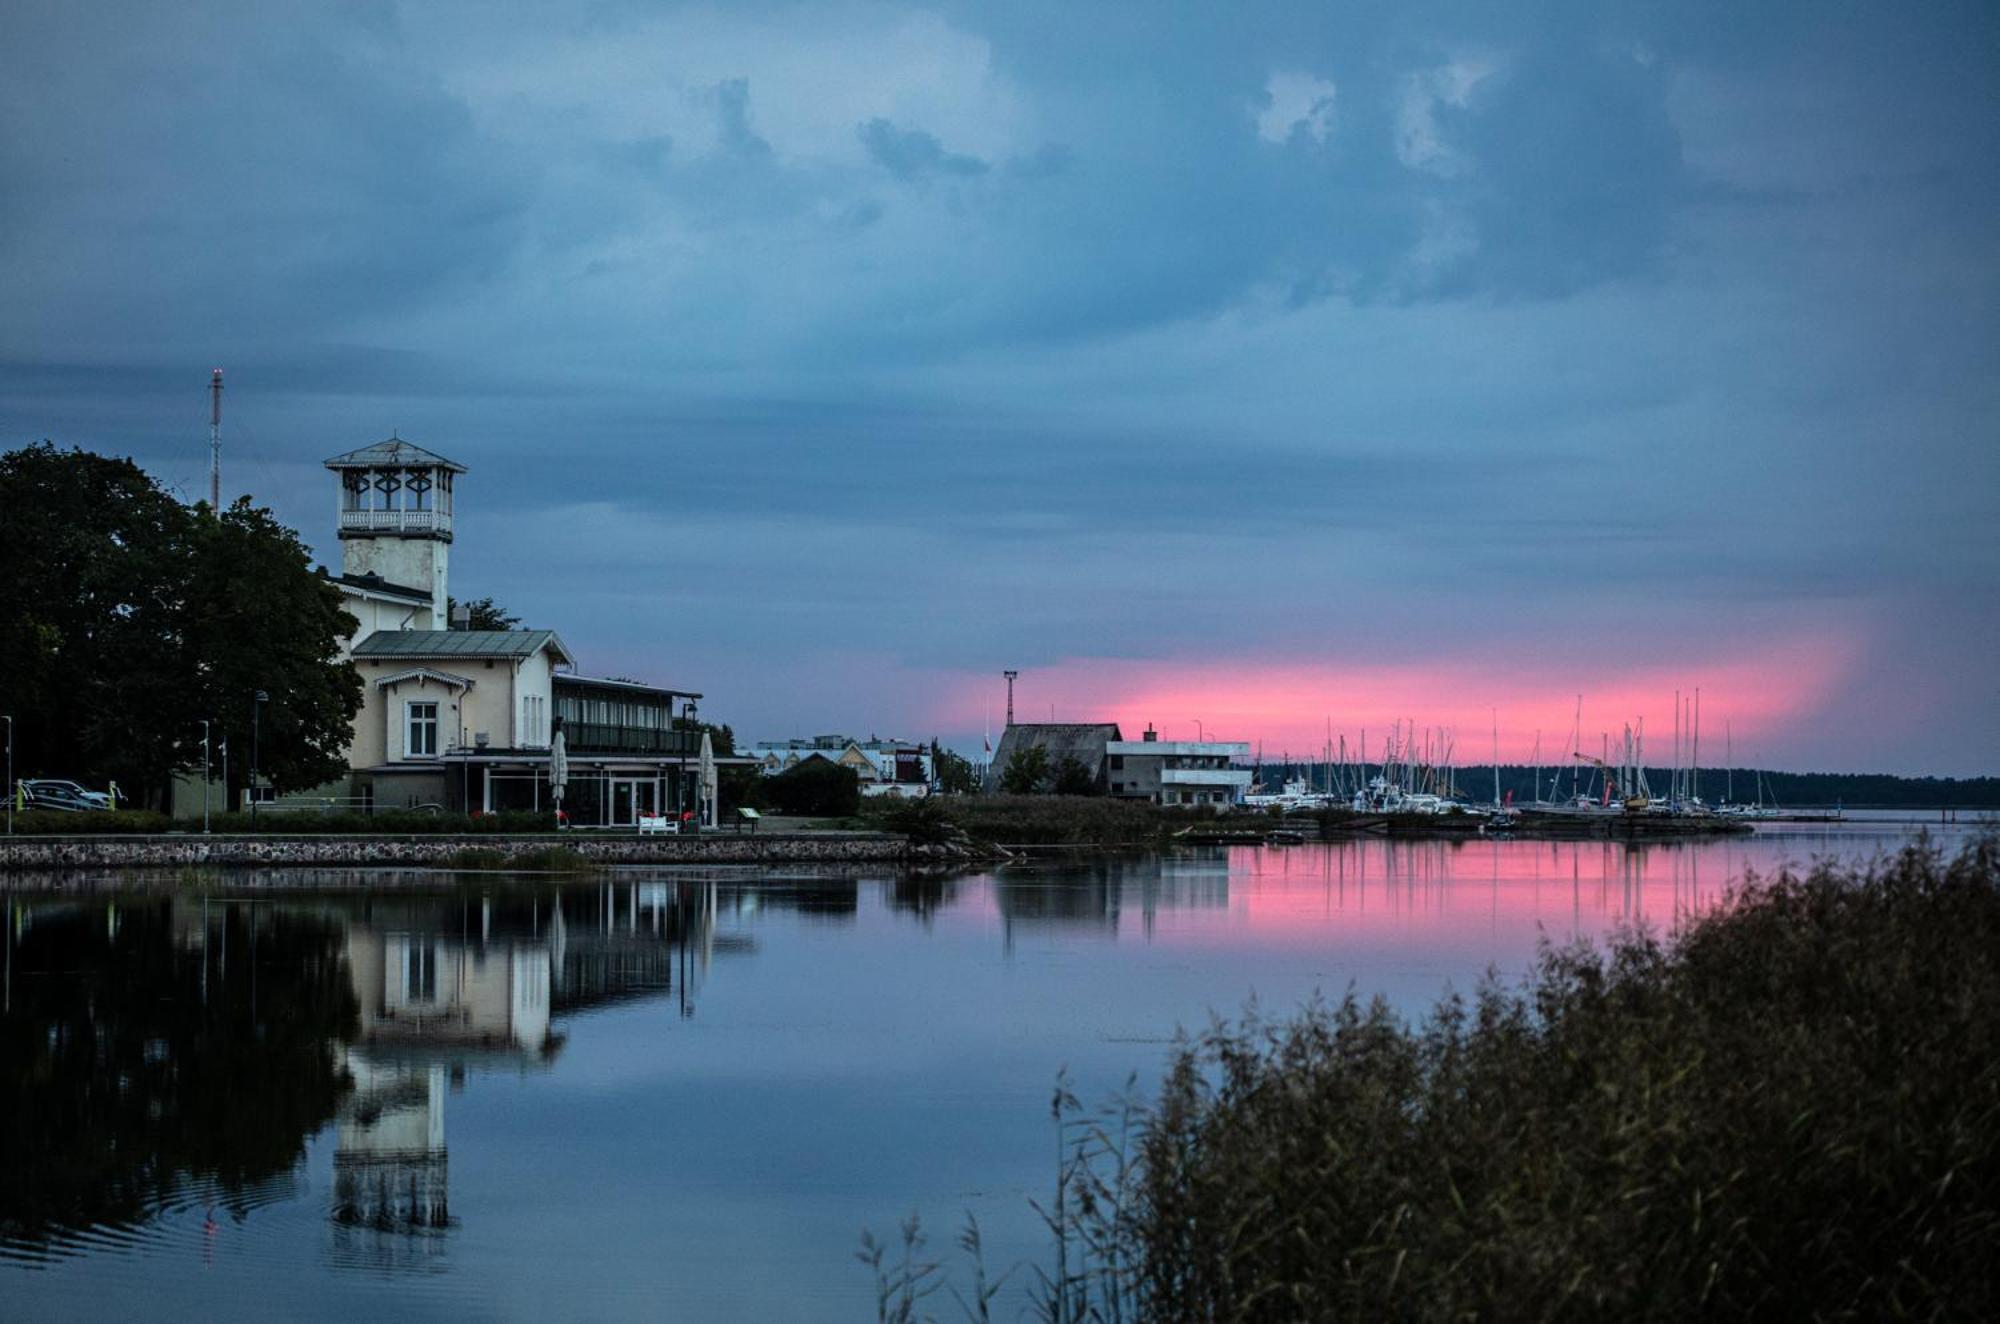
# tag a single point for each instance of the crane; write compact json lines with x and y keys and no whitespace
{"x":1635,"y":803}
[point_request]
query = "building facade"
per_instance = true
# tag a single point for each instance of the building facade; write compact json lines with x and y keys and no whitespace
{"x":1177,"y":772}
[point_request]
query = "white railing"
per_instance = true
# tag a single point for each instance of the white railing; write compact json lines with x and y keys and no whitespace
{"x":395,"y":521}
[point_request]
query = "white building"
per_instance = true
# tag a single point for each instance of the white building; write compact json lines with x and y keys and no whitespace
{"x":894,"y":768}
{"x":464,"y":718}
{"x":1177,"y":772}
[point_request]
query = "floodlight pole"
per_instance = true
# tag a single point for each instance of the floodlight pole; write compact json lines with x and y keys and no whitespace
{"x":257,"y":702}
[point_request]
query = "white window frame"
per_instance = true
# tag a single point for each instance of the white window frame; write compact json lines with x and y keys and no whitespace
{"x":436,"y":723}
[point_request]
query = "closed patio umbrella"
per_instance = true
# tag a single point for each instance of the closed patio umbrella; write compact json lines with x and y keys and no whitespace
{"x":707,"y":793}
{"x":558,"y":769}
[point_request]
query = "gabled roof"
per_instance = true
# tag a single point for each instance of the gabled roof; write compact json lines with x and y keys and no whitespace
{"x":444,"y":678}
{"x":1082,"y":741}
{"x":461,"y":643}
{"x":391,"y":454}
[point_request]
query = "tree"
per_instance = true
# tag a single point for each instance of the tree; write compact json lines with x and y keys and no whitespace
{"x":1025,"y":771}
{"x":816,"y":787}
{"x":257,"y":618}
{"x":483,"y":614}
{"x":127,"y":618}
{"x":90,"y":586}
{"x":1073,"y":777}
{"x":954,"y":774}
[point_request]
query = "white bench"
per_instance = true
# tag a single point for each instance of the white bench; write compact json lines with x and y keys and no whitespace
{"x":651,"y":823}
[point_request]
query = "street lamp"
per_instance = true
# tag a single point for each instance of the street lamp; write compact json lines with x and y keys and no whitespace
{"x":204,"y":776}
{"x":1200,"y":732}
{"x":257,"y":702}
{"x":10,"y":773}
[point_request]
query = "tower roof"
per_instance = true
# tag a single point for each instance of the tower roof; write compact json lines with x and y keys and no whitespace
{"x":395,"y":453}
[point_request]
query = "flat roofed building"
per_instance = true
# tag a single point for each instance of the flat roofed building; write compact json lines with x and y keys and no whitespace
{"x":1177,"y":772}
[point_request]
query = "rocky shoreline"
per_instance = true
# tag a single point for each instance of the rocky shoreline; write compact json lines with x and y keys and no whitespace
{"x":442,"y":851}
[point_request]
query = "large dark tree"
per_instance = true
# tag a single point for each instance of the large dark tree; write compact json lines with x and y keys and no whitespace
{"x":90,"y":593}
{"x":126,"y":618}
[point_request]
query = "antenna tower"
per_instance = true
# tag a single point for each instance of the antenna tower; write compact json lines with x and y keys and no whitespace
{"x":215,"y":443}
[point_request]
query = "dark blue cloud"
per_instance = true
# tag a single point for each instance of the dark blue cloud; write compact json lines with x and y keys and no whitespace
{"x":913,"y":154}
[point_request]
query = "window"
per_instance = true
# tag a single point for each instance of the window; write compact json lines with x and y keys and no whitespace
{"x":1117,"y":760}
{"x":420,"y":973}
{"x":421,"y":739}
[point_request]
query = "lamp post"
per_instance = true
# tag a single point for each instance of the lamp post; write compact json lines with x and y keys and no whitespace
{"x":1200,"y":732}
{"x":204,"y":776}
{"x":10,"y":773}
{"x":257,"y":702}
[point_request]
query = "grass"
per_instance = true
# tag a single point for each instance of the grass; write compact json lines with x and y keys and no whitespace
{"x":1788,"y":1110}
{"x":1047,"y":820}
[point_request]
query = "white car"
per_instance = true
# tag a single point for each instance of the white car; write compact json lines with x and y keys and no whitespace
{"x":57,"y":790}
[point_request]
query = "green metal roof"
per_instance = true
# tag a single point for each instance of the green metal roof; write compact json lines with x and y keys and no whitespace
{"x":394,"y":453}
{"x":461,"y":643}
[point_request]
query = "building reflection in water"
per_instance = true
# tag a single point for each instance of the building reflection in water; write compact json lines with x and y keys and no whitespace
{"x":154,"y":1048}
{"x":1103,"y":894}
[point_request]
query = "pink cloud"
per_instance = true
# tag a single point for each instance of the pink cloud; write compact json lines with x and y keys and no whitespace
{"x":1767,"y":693}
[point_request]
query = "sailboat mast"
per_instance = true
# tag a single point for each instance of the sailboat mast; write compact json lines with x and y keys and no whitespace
{"x":1694,"y":771}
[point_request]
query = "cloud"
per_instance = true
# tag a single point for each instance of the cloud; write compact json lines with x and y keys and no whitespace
{"x":1433,"y":332}
{"x":913,"y":154}
{"x":1296,"y":105}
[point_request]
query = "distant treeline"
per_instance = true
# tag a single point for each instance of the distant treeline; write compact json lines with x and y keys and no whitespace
{"x":1854,"y":789}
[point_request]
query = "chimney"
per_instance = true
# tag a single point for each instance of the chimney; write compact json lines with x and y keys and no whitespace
{"x":1150,"y":734}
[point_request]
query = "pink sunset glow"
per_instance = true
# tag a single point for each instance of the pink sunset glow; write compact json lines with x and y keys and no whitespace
{"x":1765,"y":695}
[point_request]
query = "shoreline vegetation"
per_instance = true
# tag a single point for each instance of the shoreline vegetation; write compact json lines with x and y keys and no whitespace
{"x":1789,"y":1108}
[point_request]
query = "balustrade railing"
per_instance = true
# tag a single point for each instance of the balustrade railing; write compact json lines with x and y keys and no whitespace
{"x":395,"y":521}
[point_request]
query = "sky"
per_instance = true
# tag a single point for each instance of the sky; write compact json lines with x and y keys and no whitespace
{"x":1247,"y":370}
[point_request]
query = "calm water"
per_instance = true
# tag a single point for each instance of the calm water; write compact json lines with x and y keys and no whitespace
{"x":681,"y":1095}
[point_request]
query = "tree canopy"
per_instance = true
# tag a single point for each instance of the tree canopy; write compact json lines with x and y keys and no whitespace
{"x":955,"y":775}
{"x":483,"y":614}
{"x":127,"y":618}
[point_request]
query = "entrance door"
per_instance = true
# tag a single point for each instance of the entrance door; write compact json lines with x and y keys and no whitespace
{"x":632,"y":797}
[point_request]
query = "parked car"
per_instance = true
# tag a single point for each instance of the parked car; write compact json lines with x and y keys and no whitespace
{"x":63,"y":796}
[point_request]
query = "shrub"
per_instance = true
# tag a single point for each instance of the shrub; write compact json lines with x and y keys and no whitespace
{"x":49,"y":822}
{"x":815,"y":788}
{"x":924,"y":821}
{"x":1791,"y":1110}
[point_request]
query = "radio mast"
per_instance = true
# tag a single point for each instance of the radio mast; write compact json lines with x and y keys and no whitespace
{"x":215,"y":444}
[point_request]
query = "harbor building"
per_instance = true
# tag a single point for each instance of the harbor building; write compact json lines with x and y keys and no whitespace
{"x":1177,"y":772}
{"x":1167,"y":772}
{"x":465,"y":719}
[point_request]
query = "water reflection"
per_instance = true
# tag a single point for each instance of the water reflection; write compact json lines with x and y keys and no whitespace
{"x":158,"y":1051}
{"x":1103,"y":893}
{"x":162,"y":1050}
